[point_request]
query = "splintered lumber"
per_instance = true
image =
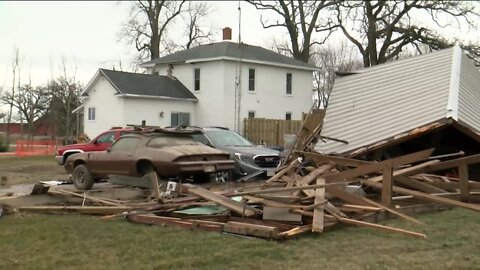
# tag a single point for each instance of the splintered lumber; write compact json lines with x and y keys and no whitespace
{"x":282,"y":172}
{"x":421,"y":186}
{"x":156,"y":189}
{"x":463,"y":180}
{"x":103,"y":210}
{"x":237,"y":207}
{"x":248,"y":229}
{"x":320,"y":158}
{"x":425,"y":196}
{"x":378,"y":166}
{"x":407,"y":171}
{"x":387,"y":184}
{"x":388,"y":209}
{"x":281,"y":190}
{"x":83,"y":196}
{"x":453,"y":163}
{"x":295,"y":231}
{"x":178,"y":222}
{"x":317,"y":224}
{"x":378,"y":226}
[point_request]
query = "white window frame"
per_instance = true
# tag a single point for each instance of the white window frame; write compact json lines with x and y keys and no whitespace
{"x":91,"y":114}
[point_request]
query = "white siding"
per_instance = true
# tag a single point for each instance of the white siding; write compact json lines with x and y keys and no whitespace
{"x":387,"y":100}
{"x":469,"y":94}
{"x":216,"y":106}
{"x":108,"y":108}
{"x":269,"y":100}
{"x":149,"y":109}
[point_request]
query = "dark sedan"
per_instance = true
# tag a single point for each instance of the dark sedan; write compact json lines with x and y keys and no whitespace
{"x":171,"y":154}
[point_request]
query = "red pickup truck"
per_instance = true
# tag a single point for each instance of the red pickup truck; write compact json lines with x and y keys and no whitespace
{"x":99,"y":143}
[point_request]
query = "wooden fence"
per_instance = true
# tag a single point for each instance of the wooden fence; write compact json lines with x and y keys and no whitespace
{"x":269,"y":131}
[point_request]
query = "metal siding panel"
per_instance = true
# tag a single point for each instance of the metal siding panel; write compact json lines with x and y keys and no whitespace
{"x":469,"y":95}
{"x":387,"y":100}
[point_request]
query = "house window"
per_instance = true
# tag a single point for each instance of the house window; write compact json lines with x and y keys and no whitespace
{"x":288,"y":116}
{"x":251,"y":79}
{"x":180,"y":119}
{"x":91,"y":113}
{"x":197,"y":79}
{"x":251,"y":114}
{"x":289,"y":84}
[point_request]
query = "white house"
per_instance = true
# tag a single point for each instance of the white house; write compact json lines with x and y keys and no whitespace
{"x":397,"y":101}
{"x":221,"y":84}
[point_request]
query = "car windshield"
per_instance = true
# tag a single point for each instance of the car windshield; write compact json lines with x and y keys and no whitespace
{"x":226,"y":138}
{"x":163,"y":141}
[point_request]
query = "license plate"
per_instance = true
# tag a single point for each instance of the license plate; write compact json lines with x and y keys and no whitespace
{"x":209,"y":168}
{"x":270,"y":172}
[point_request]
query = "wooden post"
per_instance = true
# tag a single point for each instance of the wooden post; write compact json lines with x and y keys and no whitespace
{"x":387,"y":185}
{"x":463,"y":178}
{"x":317,"y":225}
{"x":156,"y":188}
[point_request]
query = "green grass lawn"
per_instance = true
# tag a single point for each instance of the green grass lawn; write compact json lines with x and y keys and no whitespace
{"x":26,"y":170}
{"x":85,"y":242}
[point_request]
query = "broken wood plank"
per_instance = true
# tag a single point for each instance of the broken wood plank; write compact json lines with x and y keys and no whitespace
{"x":387,"y":184}
{"x":238,"y":207}
{"x":248,"y":229}
{"x":453,"y":163}
{"x":317,"y":224}
{"x":156,"y":189}
{"x":422,"y":186}
{"x":282,"y":172}
{"x":83,"y":196}
{"x":378,"y":226}
{"x":104,"y":210}
{"x":321,"y":158}
{"x":374,"y":167}
{"x":178,"y":222}
{"x":295,"y":231}
{"x":407,"y":171}
{"x":425,"y":196}
{"x":463,"y":180}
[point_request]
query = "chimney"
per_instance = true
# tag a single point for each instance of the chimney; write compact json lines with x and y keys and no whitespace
{"x":227,"y":33}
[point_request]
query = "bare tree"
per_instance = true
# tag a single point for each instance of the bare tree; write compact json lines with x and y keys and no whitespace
{"x":8,"y":101}
{"x":301,"y":18}
{"x":148,"y":23}
{"x":31,"y":102}
{"x":197,"y":31}
{"x":382,"y":29}
{"x":64,"y":91}
{"x":331,"y":59}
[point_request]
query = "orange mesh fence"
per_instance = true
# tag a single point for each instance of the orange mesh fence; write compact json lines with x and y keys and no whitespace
{"x":35,"y":148}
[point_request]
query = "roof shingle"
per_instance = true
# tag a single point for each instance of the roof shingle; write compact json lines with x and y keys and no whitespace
{"x":147,"y":84}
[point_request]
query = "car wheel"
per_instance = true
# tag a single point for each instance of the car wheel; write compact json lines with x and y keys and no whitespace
{"x":82,"y":178}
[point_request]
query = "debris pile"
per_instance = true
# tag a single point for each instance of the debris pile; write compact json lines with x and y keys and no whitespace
{"x":310,"y":192}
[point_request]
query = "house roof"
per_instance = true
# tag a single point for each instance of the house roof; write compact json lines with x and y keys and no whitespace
{"x":144,"y":85}
{"x":227,"y":50}
{"x":393,"y":100}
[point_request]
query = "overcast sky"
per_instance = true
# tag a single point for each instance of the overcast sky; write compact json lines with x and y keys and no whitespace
{"x":86,"y":33}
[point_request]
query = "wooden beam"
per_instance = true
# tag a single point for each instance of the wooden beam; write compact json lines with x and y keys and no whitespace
{"x":387,"y":184}
{"x":103,"y":210}
{"x":463,"y":180}
{"x":251,"y":230}
{"x":156,"y":189}
{"x":282,"y":172}
{"x":453,"y":163}
{"x":238,"y":207}
{"x":428,"y":197}
{"x":320,"y":158}
{"x":422,"y":186}
{"x":374,"y":167}
{"x":378,"y":226}
{"x":407,"y":171}
{"x":317,"y":225}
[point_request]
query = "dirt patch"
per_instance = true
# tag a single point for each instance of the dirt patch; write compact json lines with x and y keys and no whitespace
{"x":25,"y":170}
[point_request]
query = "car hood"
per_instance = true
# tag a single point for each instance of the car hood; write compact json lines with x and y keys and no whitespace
{"x":196,"y":149}
{"x":252,"y":150}
{"x":72,"y":146}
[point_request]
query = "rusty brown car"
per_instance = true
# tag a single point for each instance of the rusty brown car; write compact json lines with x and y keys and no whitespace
{"x":171,"y":154}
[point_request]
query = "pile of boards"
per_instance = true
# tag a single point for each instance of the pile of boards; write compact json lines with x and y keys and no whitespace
{"x":310,"y":192}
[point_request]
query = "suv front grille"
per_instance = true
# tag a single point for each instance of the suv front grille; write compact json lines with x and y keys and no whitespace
{"x":267,"y":161}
